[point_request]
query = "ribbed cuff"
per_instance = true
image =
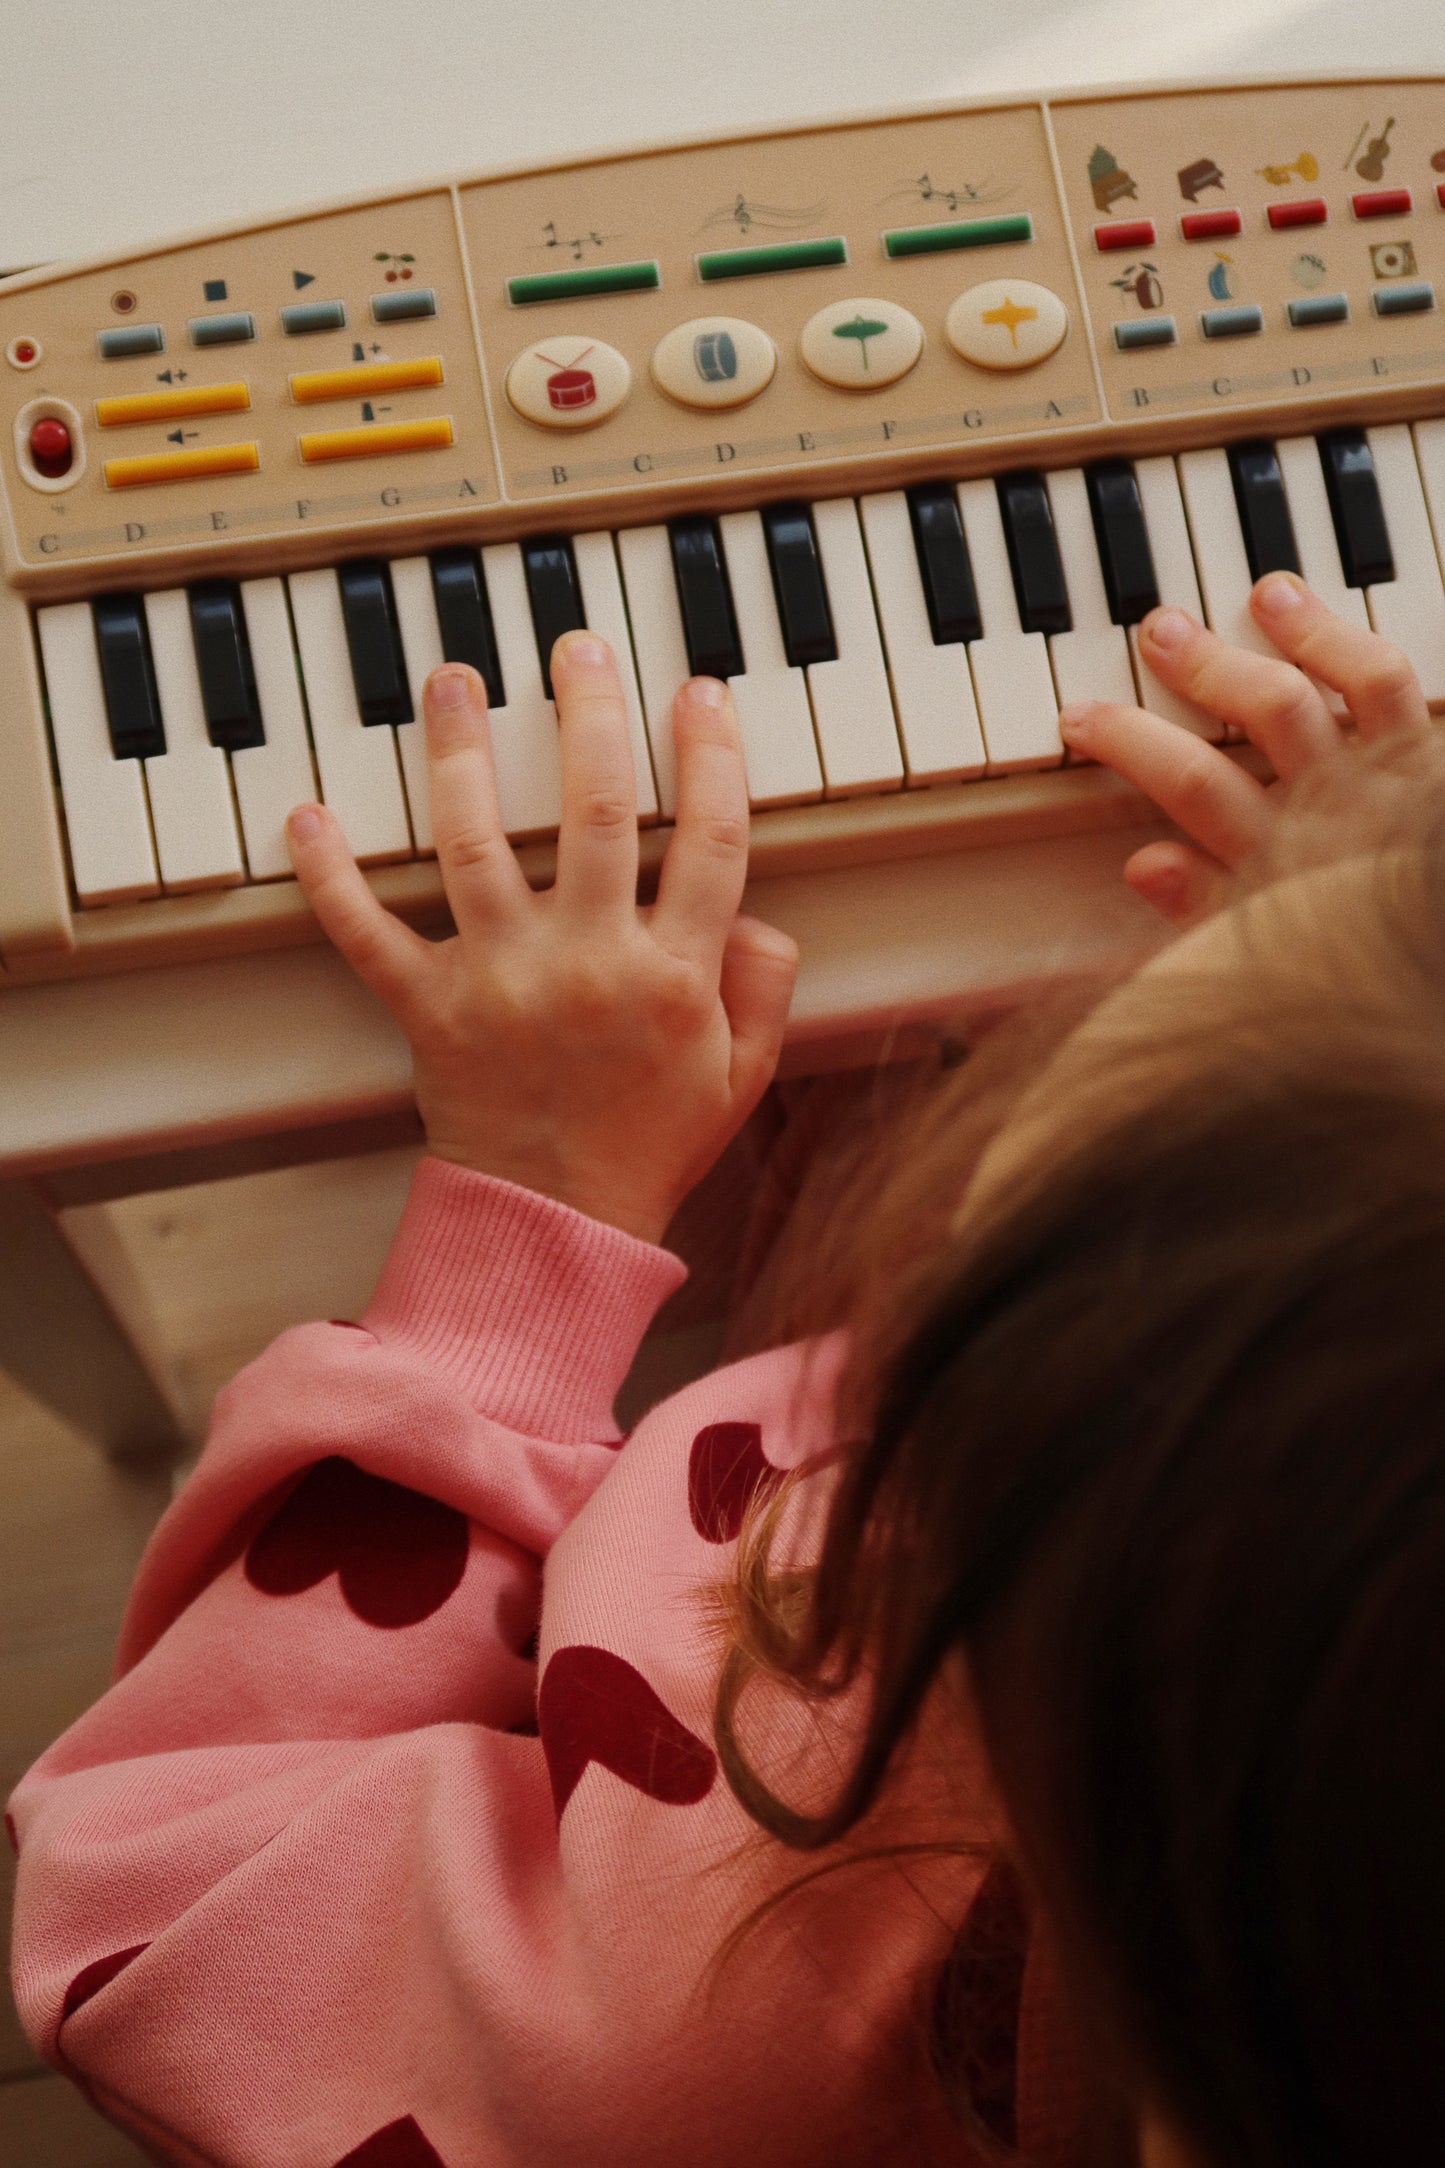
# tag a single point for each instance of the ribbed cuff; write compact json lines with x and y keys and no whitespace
{"x":535,"y":1310}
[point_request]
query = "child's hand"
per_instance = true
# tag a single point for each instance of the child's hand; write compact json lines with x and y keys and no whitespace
{"x":1229,"y":814}
{"x":569,"y":1041}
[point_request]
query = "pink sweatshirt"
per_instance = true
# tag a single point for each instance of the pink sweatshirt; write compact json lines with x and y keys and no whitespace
{"x":401,"y":1839}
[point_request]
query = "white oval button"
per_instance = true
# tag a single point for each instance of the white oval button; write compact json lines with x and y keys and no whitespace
{"x":714,"y":361}
{"x":861,"y":345}
{"x":1006,"y":324}
{"x":568,"y":383}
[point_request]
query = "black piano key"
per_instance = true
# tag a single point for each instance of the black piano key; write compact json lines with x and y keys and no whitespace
{"x":1125,"y":557}
{"x":1263,"y":510}
{"x":798,"y":584}
{"x":224,"y":666}
{"x":709,"y":622}
{"x":1033,"y":553}
{"x":373,"y":640}
{"x":464,"y":616}
{"x":132,"y":704}
{"x":555,"y":594}
{"x":944,"y":564}
{"x":1355,"y":508}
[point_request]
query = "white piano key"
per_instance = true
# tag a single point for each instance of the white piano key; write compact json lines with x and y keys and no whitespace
{"x":197,"y":841}
{"x":105,"y":802}
{"x":1318,"y":545}
{"x":1174,"y":575}
{"x":659,"y":643}
{"x":526,"y":749}
{"x":421,"y":644}
{"x":1219,"y":550}
{"x":779,"y":749}
{"x":852,"y":705}
{"x":360,"y":779}
{"x":1017,"y":705}
{"x":272,"y":778}
{"x":606,"y":613}
{"x":1429,"y":636}
{"x":932,"y":689}
{"x":1092,"y":661}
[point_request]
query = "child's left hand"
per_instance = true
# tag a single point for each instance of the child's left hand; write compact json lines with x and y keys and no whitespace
{"x":570,"y":1041}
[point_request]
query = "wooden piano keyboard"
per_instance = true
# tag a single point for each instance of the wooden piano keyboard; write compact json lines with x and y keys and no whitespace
{"x":901,"y":425}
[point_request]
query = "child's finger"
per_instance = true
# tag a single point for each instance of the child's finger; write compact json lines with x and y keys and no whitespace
{"x":1180,"y":882}
{"x":483,"y":881}
{"x":597,"y":840}
{"x":1374,"y":679}
{"x":385,"y":955}
{"x":1224,"y":810}
{"x":759,"y":969}
{"x":701,"y":883}
{"x":1274,"y":704}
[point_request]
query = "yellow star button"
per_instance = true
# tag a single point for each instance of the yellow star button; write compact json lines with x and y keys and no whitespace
{"x":1006,"y":324}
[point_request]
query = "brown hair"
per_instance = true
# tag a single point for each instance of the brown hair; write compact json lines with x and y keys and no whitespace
{"x":1154,"y":1443}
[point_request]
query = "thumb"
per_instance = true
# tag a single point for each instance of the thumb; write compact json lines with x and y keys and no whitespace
{"x":759,"y":968}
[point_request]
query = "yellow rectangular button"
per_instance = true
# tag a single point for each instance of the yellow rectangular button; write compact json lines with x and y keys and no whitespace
{"x":182,"y":466}
{"x":381,"y":437}
{"x":310,"y":385}
{"x":166,"y":406}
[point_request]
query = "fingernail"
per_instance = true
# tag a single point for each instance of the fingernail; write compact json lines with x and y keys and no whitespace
{"x":1074,"y":722}
{"x":449,"y":689}
{"x":584,"y":648}
{"x":1169,"y":628}
{"x":1278,"y":593}
{"x":706,"y":692}
{"x":304,"y":823}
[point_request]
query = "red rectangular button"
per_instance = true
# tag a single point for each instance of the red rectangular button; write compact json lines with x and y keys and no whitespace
{"x":1440,"y":194}
{"x":1208,"y":225}
{"x":1382,"y":203}
{"x":1126,"y":233}
{"x":1305,"y":211}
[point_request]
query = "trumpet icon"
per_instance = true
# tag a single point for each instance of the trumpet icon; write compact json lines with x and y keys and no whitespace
{"x":1307,"y":166}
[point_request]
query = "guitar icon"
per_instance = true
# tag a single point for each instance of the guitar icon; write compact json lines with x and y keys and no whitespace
{"x":1371,"y":166}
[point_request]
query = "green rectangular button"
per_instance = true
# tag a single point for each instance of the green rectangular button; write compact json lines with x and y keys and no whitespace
{"x":743,"y":263}
{"x":597,"y":278}
{"x":966,"y":233}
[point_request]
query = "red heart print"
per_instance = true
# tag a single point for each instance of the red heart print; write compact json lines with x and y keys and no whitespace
{"x":95,"y":1976}
{"x":593,"y":1706}
{"x":399,"y":1554}
{"x":400,"y":2145}
{"x":724,"y":1469}
{"x":979,"y":1995}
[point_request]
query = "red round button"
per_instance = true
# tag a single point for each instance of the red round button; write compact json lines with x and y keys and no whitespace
{"x":50,"y":448}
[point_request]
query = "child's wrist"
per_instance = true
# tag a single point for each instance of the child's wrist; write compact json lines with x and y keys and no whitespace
{"x":617,"y":1204}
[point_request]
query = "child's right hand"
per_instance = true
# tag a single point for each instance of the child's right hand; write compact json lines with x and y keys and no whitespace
{"x":1228,"y":813}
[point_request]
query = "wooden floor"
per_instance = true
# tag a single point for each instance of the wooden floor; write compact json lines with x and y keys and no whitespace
{"x":225,"y":1266}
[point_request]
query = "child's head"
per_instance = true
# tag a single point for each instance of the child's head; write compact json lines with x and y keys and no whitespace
{"x":1155,"y":1447}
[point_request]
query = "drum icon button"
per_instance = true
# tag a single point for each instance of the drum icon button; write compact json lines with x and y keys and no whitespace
{"x":716,"y":356}
{"x":714,"y":361}
{"x":568,"y":382}
{"x":571,"y":388}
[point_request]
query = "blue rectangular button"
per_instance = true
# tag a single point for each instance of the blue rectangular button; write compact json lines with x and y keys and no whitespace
{"x":313,"y":316}
{"x":1232,"y":323}
{"x":400,"y":308}
{"x":122,"y":340}
{"x":1320,"y":309}
{"x":1404,"y":300}
{"x":1145,"y":331}
{"x":222,"y":330}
